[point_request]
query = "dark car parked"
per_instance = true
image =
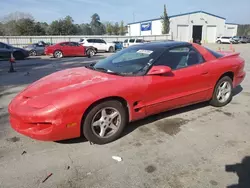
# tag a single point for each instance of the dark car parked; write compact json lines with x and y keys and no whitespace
{"x":18,"y":53}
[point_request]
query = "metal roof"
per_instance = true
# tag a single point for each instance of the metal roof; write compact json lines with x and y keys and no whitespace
{"x":167,"y":44}
{"x":232,"y":24}
{"x":194,"y":12}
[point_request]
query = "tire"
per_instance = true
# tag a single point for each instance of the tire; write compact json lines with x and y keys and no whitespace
{"x":93,"y":133}
{"x":90,"y":52}
{"x":219,"y":42}
{"x":33,"y":53}
{"x":217,"y":99}
{"x":58,"y":54}
{"x":111,"y":49}
{"x":18,"y":55}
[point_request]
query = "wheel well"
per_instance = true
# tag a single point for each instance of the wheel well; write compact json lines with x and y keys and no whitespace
{"x":120,"y":99}
{"x":229,"y":74}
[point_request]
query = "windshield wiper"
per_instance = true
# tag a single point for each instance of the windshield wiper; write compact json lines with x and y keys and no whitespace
{"x":102,"y":70}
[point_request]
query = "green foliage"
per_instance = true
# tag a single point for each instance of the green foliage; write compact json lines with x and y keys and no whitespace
{"x":109,"y":28}
{"x":19,"y":23}
{"x":244,"y":30}
{"x":122,"y":28}
{"x":96,"y":26}
{"x":165,"y":22}
{"x":116,"y":28}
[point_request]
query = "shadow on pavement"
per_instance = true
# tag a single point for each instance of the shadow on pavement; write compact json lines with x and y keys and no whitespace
{"x":242,"y":170}
{"x":236,"y":91}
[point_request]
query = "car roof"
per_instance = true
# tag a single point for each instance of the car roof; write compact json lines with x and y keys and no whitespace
{"x":166,"y":44}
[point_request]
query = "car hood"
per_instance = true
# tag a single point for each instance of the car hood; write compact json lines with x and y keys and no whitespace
{"x":65,"y":80}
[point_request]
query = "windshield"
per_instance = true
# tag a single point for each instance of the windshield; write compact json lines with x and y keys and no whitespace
{"x":134,"y":60}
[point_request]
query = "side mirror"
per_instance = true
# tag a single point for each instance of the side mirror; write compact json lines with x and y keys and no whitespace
{"x":159,"y":70}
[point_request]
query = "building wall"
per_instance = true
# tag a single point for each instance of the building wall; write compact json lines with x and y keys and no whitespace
{"x":181,"y":27}
{"x":231,"y":30}
{"x":202,"y":19}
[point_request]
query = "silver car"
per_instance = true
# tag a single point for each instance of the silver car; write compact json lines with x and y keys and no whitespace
{"x":35,"y":49}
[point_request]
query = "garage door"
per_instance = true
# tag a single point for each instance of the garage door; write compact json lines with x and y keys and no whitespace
{"x":182,"y":31}
{"x":211,"y":34}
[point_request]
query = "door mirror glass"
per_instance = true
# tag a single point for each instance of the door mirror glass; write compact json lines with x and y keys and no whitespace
{"x":159,"y":70}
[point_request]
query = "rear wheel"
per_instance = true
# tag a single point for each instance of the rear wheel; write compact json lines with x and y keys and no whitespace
{"x":58,"y":54}
{"x":32,"y":53}
{"x":90,"y":52}
{"x":105,"y":122}
{"x":223,"y":92}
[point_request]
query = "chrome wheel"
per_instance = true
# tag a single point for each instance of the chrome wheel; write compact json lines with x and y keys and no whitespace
{"x":224,"y":91}
{"x":106,"y":122}
{"x":91,"y":53}
{"x":58,"y":54}
{"x":32,"y":53}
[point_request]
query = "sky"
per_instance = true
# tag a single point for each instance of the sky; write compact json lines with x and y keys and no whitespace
{"x":126,"y":10}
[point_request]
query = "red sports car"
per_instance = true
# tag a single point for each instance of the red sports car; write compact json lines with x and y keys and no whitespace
{"x":98,"y":100}
{"x":64,"y":49}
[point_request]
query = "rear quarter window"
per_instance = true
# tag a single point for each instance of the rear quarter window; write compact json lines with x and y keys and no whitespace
{"x":214,"y":53}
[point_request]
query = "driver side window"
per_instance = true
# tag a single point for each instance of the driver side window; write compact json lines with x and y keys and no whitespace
{"x":180,"y":57}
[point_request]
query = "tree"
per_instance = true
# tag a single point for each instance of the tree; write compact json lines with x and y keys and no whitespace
{"x":25,"y":26}
{"x":15,"y":16}
{"x":109,"y":28}
{"x":84,"y":29}
{"x":165,"y":22}
{"x":55,"y":28}
{"x":96,"y":26}
{"x":122,"y":28}
{"x":1,"y":29}
{"x":116,"y":28}
{"x":63,"y":27}
{"x":39,"y":29}
{"x":244,"y":30}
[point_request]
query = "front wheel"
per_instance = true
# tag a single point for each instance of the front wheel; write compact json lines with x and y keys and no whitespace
{"x":58,"y":54}
{"x":105,"y":122}
{"x":111,"y":49}
{"x":18,"y":55}
{"x":219,"y":42}
{"x":223,"y":92}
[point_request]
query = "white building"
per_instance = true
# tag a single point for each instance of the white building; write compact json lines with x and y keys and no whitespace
{"x":187,"y":27}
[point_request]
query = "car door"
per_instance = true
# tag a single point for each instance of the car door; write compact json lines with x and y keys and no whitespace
{"x":39,"y":48}
{"x":187,"y":83}
{"x":66,"y":49}
{"x":79,"y":50}
{"x":102,"y":44}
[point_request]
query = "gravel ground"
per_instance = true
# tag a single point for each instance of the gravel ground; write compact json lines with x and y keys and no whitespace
{"x":193,"y":147}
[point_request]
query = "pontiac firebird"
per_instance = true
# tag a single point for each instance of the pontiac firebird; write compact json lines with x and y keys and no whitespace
{"x":98,"y":100}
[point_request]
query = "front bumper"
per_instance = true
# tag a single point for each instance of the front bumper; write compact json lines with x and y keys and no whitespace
{"x":47,"y":124}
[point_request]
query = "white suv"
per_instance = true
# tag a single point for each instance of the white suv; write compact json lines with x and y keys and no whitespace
{"x":228,"y":40}
{"x":130,"y":42}
{"x":100,"y":44}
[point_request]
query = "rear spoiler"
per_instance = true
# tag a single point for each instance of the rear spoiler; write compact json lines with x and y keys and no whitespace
{"x":228,"y":54}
